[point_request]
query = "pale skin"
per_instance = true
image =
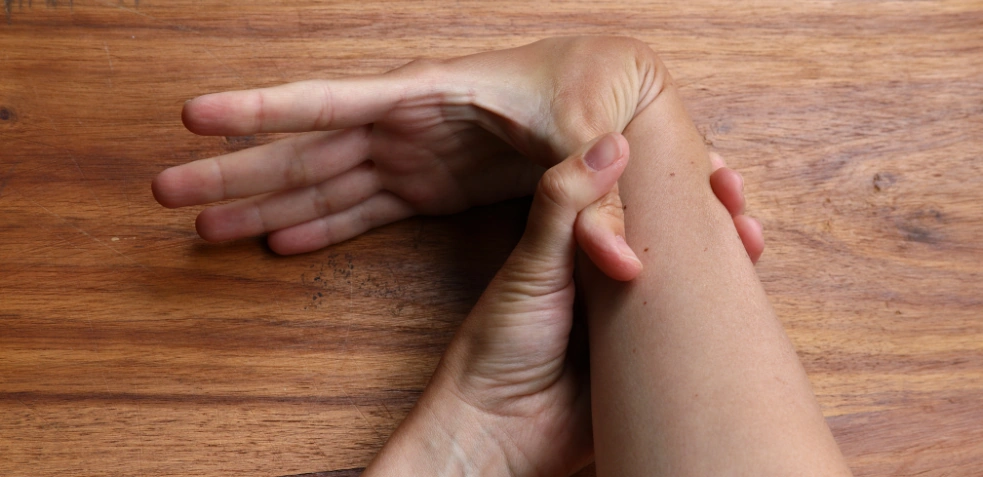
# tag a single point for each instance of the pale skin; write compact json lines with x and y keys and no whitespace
{"x":427,"y":138}
{"x":700,"y":378}
{"x":509,"y":401}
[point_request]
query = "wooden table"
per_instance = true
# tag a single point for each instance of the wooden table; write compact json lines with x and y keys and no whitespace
{"x":128,"y":346}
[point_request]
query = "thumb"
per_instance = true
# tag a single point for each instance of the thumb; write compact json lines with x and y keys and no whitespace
{"x":600,"y":232}
{"x":544,"y":258}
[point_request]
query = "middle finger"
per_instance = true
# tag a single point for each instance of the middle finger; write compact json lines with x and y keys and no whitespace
{"x":285,"y":164}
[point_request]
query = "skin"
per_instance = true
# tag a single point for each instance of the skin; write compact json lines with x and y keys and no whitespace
{"x":699,"y":377}
{"x":393,"y":145}
{"x":511,"y":396}
{"x":522,"y":406}
{"x":432,"y":137}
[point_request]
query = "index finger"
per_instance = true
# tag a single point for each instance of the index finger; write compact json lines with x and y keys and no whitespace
{"x":314,"y":105}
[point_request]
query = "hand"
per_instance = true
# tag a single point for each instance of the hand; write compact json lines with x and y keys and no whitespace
{"x":506,"y":399}
{"x":433,"y":137}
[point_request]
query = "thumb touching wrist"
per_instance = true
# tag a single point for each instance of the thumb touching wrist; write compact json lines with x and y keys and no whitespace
{"x":546,"y":250}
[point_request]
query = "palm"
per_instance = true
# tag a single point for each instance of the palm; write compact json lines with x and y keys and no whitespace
{"x":553,"y":422}
{"x":446,"y":166}
{"x":523,"y":373}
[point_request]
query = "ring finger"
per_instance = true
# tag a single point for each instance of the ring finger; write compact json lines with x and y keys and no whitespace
{"x":268,"y":213}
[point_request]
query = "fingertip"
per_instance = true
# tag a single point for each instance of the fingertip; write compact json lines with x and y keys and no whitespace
{"x":211,"y":227}
{"x":309,"y":236}
{"x":623,"y":154}
{"x":608,"y":251}
{"x":203,"y":228}
{"x":203,"y":115}
{"x":752,"y":236}
{"x":183,"y":185}
{"x":190,"y":116}
{"x":163,"y":188}
{"x":728,"y":186}
{"x":716,"y":160}
{"x":616,"y":259}
{"x":606,"y":151}
{"x":629,"y":266}
{"x":284,"y":244}
{"x":623,"y":147}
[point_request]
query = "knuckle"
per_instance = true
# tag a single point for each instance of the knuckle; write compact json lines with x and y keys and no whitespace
{"x":296,"y":174}
{"x":533,"y":275}
{"x":365,"y":218}
{"x":325,"y":116}
{"x":554,"y":187}
{"x":418,"y":193}
{"x":323,"y":204}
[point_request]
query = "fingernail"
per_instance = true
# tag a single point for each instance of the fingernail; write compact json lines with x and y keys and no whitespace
{"x":625,"y":250}
{"x":603,"y":153}
{"x":761,"y":228}
{"x":741,"y":179}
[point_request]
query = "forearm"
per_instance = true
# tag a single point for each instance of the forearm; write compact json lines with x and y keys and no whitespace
{"x":692,"y":373}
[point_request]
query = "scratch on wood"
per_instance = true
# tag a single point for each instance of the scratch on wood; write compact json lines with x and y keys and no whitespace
{"x":226,"y":65}
{"x":76,"y":162}
{"x":391,"y":418}
{"x":359,"y":411}
{"x":110,"y":58}
{"x":87,"y":234}
{"x":136,"y":12}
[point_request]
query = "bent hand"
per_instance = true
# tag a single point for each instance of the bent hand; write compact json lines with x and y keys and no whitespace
{"x":434,"y":137}
{"x":506,"y":394}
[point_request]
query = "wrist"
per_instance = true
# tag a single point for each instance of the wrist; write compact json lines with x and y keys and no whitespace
{"x":442,"y":436}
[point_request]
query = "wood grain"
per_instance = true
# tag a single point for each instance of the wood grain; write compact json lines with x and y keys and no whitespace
{"x":129,"y":346}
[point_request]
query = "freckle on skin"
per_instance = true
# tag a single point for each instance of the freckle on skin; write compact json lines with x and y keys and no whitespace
{"x":672,"y":174}
{"x":646,"y":249}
